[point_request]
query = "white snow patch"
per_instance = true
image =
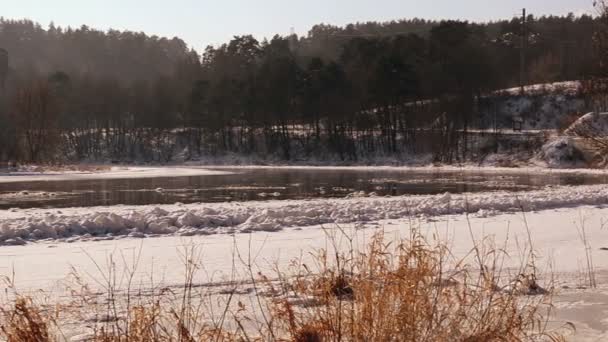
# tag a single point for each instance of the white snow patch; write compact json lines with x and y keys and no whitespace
{"x":562,"y":153}
{"x":114,"y":173}
{"x":567,"y":88}
{"x":591,"y":124}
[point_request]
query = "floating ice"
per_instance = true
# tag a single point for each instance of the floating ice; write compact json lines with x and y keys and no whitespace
{"x":196,"y":219}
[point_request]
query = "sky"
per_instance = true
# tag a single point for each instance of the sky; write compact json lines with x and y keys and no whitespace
{"x":211,"y":22}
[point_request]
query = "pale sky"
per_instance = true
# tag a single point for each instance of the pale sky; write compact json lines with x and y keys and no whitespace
{"x":204,"y":22}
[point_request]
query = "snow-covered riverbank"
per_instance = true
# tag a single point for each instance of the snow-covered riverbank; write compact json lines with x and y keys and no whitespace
{"x":110,"y":173}
{"x":97,"y":223}
{"x":556,"y":235}
{"x":430,"y":168}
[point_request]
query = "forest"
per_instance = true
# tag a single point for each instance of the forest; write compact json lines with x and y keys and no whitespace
{"x":372,"y":88}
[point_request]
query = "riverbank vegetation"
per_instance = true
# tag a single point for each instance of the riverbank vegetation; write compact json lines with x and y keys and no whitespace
{"x":340,"y":93}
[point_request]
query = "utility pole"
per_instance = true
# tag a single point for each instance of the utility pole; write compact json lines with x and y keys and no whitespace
{"x":522,"y":52}
{"x":292,"y":39}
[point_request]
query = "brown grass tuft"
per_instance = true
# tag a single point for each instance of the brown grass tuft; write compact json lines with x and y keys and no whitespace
{"x":24,"y":322}
{"x":308,"y":333}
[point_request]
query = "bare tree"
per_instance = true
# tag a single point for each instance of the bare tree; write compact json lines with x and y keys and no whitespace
{"x":595,"y":87}
{"x":3,"y":68}
{"x":36,"y":115}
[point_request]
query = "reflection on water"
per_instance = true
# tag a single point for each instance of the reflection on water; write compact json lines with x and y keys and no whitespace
{"x":267,"y":184}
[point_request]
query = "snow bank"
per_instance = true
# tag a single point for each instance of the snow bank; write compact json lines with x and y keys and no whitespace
{"x":591,"y":124}
{"x":18,"y":227}
{"x":430,"y":168}
{"x":570,"y":88}
{"x":114,"y":173}
{"x":562,"y":153}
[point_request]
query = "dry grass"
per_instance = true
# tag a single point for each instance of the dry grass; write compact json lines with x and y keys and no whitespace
{"x":401,"y":292}
{"x":25,"y":322}
{"x":409,"y":290}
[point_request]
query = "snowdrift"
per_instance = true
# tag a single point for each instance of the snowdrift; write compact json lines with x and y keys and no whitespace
{"x":591,"y":124}
{"x":196,"y":219}
{"x":562,"y":153}
{"x":570,"y":88}
{"x":113,"y":173}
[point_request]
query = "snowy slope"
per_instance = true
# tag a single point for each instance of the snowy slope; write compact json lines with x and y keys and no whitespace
{"x":595,"y":124}
{"x":562,"y":152}
{"x":570,"y":88}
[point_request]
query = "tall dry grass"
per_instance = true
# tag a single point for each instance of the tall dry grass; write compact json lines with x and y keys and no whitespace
{"x":402,"y":291}
{"x":407,"y":290}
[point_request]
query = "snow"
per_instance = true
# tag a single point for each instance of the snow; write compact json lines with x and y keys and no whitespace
{"x":113,"y":173}
{"x":543,"y":107}
{"x":276,"y":232}
{"x":572,"y":148}
{"x":464,"y":167}
{"x":594,"y":124}
{"x":555,"y":234}
{"x":112,"y":222}
{"x":562,"y":153}
{"x":567,"y":87}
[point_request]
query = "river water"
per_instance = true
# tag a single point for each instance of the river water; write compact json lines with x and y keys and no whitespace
{"x":274,"y":184}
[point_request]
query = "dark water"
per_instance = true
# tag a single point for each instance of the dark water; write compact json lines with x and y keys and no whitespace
{"x":267,"y":184}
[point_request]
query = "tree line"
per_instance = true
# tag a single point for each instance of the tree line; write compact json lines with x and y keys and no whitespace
{"x":346,"y":92}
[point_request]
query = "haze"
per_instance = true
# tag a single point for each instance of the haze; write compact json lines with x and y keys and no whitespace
{"x":204,"y":22}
